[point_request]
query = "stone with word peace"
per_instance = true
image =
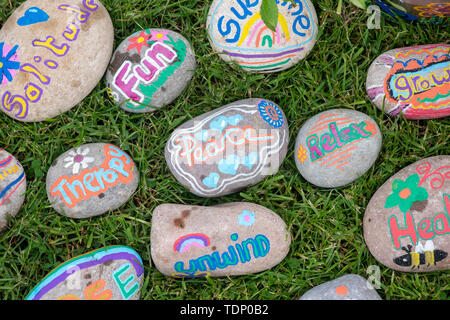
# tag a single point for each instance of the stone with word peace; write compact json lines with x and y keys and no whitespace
{"x":52,"y":55}
{"x":150,"y":69}
{"x":407,"y":221}
{"x":412,"y":81}
{"x":90,"y":180}
{"x":225,"y":240}
{"x":230,"y":148}
{"x":111,"y":273}
{"x":336,"y":147}
{"x":237,"y":32}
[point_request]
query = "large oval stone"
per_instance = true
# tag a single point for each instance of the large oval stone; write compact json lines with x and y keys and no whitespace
{"x":111,"y":273}
{"x":91,"y":180}
{"x":237,"y":32}
{"x":230,"y":148}
{"x":53,"y":54}
{"x":230,"y":239}
{"x":407,"y":221}
{"x":413,"y":81}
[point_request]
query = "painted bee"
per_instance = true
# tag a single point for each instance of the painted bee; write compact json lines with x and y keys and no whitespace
{"x":423,"y":255}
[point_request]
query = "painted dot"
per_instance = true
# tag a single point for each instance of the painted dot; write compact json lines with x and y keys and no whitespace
{"x":140,"y":39}
{"x":78,"y":158}
{"x":37,"y":59}
{"x":405,"y":193}
{"x":342,"y":291}
{"x":51,"y":64}
{"x":159,"y":35}
{"x":234,"y":236}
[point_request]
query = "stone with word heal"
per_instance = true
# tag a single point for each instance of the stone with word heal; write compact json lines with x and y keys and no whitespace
{"x":230,"y":239}
{"x":90,"y":180}
{"x":111,"y":273}
{"x":336,"y":147}
{"x":52,"y":55}
{"x":150,"y":69}
{"x":407,"y":221}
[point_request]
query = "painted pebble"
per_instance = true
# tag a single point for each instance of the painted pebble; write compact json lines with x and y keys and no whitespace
{"x":111,"y":273}
{"x":230,"y":239}
{"x":52,"y":55}
{"x":336,"y":147}
{"x":91,"y":180}
{"x":416,"y":10}
{"x":13,"y":184}
{"x":407,"y":221}
{"x":150,"y":69}
{"x":237,"y":32}
{"x":230,"y":148}
{"x":413,"y":81}
{"x":348,"y":287}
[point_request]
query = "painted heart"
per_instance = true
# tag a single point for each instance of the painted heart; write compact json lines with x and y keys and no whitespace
{"x":211,"y":180}
{"x":229,"y":165}
{"x":250,"y":160}
{"x":33,"y":15}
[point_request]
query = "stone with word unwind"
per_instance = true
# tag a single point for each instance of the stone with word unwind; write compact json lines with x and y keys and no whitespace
{"x":412,"y":81}
{"x":230,"y":148}
{"x":150,"y":69}
{"x":111,"y":273}
{"x":225,"y":240}
{"x":91,"y":180}
{"x":237,"y":32}
{"x":407,"y":221}
{"x":336,"y":147}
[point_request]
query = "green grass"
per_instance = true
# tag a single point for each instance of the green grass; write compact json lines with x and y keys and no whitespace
{"x":326,"y":225}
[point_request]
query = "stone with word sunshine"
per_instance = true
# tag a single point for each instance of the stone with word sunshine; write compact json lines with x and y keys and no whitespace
{"x":90,"y":180}
{"x":230,"y":148}
{"x":412,"y":81}
{"x":237,"y":32}
{"x":407,"y":221}
{"x":226,"y":240}
{"x":52,"y":55}
{"x":336,"y":147}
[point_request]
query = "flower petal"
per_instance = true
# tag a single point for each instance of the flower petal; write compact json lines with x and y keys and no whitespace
{"x":76,"y":168}
{"x":392,"y":201}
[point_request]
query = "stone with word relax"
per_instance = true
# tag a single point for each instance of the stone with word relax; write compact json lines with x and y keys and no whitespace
{"x":407,"y":221}
{"x":111,"y":273}
{"x":336,"y":147}
{"x":237,"y":32}
{"x":230,"y":148}
{"x":91,"y":180}
{"x":412,"y":81}
{"x":230,"y":239}
{"x":150,"y":69}
{"x":13,"y":184}
{"x":52,"y":55}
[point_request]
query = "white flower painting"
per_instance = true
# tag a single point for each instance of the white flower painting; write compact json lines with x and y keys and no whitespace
{"x":78,"y":159}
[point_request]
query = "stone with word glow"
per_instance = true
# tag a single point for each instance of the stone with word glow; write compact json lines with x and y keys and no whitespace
{"x":91,"y":180}
{"x":226,"y":240}
{"x":150,"y":69}
{"x":407,"y":221}
{"x":111,"y":273}
{"x":230,"y":148}
{"x":348,"y":287}
{"x":13,"y":184}
{"x":336,"y":147}
{"x":237,"y":32}
{"x":52,"y":55}
{"x":412,"y":81}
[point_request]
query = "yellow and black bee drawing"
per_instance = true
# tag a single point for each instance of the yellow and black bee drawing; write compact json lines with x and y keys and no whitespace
{"x":423,"y":255}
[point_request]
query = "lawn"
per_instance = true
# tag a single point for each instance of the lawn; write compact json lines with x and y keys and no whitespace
{"x":326,"y":225}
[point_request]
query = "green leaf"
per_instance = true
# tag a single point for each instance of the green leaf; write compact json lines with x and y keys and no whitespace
{"x":359,"y":3}
{"x":269,"y":14}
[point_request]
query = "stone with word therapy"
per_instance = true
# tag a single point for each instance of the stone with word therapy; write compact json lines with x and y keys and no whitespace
{"x":150,"y":69}
{"x":237,"y":32}
{"x":52,"y":55}
{"x":230,"y":148}
{"x":225,"y":240}
{"x":412,"y":81}
{"x":111,"y":273}
{"x":407,"y":221}
{"x":336,"y":147}
{"x":91,"y":180}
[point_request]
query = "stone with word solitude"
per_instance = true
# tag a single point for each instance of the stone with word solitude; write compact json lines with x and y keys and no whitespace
{"x":13,"y":184}
{"x":225,"y":240}
{"x":150,"y":69}
{"x":336,"y":147}
{"x":91,"y":180}
{"x":111,"y":273}
{"x":407,"y":221}
{"x":237,"y":32}
{"x":230,"y":148}
{"x":52,"y":55}
{"x":412,"y":81}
